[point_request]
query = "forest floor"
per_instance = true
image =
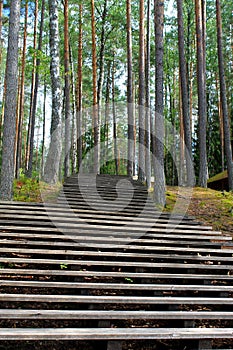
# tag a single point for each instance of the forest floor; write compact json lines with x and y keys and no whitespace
{"x":211,"y":207}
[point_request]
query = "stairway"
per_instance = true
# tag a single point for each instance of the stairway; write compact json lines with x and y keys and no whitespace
{"x":102,"y":268}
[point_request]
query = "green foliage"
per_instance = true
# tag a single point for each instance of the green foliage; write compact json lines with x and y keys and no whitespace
{"x":63,"y":266}
{"x":26,"y":190}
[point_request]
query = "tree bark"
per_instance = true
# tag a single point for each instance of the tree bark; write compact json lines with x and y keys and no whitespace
{"x":51,"y":173}
{"x":107,"y":113}
{"x":184,"y":97}
{"x":130,"y":98}
{"x":1,"y":47}
{"x":79,"y":89}
{"x":221,"y":128}
{"x":73,"y":153}
{"x":141,"y":151}
{"x":43,"y":132}
{"x":147,"y":102}
{"x":201,"y":96}
{"x":101,"y":54}
{"x":35,"y":94}
{"x":22,"y":97}
{"x":159,"y":186}
{"x":114,"y":120}
{"x":31,"y":121}
{"x":8,"y":143}
{"x":226,"y":123}
{"x":67,"y":89}
{"x":95,"y":99}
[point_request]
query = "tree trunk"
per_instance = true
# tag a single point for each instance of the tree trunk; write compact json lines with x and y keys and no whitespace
{"x":43,"y":132}
{"x":159,"y":186}
{"x":107,"y":113}
{"x":184,"y":97}
{"x":22,"y":97}
{"x":31,"y":121}
{"x":67,"y":89}
{"x":141,"y":151}
{"x":51,"y":173}
{"x":73,"y":153}
{"x":114,"y":120}
{"x":147,"y":104}
{"x":101,"y":55}
{"x":8,"y":143}
{"x":182,"y":140}
{"x":221,"y":128}
{"x":1,"y":47}
{"x":130,"y":99}
{"x":226,"y":123}
{"x":35,"y":94}
{"x":79,"y":89}
{"x":95,"y":100}
{"x":201,"y":96}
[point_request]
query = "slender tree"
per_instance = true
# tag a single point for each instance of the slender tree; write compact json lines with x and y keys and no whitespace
{"x":22,"y":97}
{"x":107,"y":111}
{"x":102,"y":52}
{"x":226,"y":123}
{"x":1,"y":17}
{"x":9,"y":130}
{"x":114,"y":118}
{"x":95,"y":99}
{"x":33,"y":99}
{"x":141,"y":151}
{"x":201,"y":95}
{"x":43,"y":132}
{"x":130,"y":97}
{"x":73,"y":150}
{"x":147,"y":99}
{"x":67,"y":89}
{"x":51,"y":172}
{"x":159,"y":185}
{"x":1,"y":50}
{"x":35,"y":92}
{"x":79,"y":88}
{"x":184,"y":96}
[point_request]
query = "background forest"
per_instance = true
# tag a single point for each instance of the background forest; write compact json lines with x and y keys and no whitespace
{"x":90,"y":74}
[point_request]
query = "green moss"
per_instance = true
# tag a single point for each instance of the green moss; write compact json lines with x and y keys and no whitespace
{"x":218,"y":177}
{"x":26,"y":190}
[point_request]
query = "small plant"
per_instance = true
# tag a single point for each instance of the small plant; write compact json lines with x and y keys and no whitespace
{"x":63,"y":266}
{"x":129,"y":279}
{"x":26,"y":190}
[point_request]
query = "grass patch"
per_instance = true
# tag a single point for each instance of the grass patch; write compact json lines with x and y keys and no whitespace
{"x":209,"y":206}
{"x":33,"y":190}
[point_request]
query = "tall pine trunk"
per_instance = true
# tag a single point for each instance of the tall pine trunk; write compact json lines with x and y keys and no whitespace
{"x":130,"y":98}
{"x":67,"y":89}
{"x":35,"y":94}
{"x":31,"y":121}
{"x":223,"y":93}
{"x":141,"y":151}
{"x":147,"y":100}
{"x":79,"y":89}
{"x":201,"y":95}
{"x":184,"y":97}
{"x":101,"y":54}
{"x":159,"y":185}
{"x":51,"y":172}
{"x":95,"y":99}
{"x":22,"y":97}
{"x":114,"y":120}
{"x":1,"y":51}
{"x":9,"y":129}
